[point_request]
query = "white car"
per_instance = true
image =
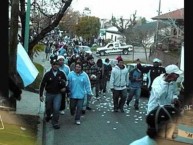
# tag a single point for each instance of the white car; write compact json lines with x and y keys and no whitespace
{"x":85,"y":49}
{"x":114,"y":48}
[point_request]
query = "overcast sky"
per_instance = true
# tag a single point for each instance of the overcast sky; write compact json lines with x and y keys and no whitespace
{"x":117,"y":8}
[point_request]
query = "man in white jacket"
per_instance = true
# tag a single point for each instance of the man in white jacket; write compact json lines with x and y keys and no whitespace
{"x":118,"y":81}
{"x":164,"y":88}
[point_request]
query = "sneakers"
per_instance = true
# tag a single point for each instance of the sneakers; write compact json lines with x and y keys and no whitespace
{"x":77,"y":122}
{"x":115,"y":110}
{"x":88,"y":108}
{"x":122,"y":110}
{"x":47,"y":118}
{"x":62,"y":112}
{"x":136,"y":107}
{"x":56,"y":126}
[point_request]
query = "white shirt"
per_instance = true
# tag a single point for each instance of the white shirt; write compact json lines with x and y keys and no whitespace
{"x":162,"y":93}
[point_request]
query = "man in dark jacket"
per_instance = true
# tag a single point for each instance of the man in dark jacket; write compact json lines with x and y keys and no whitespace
{"x":107,"y":72}
{"x":93,"y":73}
{"x":152,"y":71}
{"x":54,"y":82}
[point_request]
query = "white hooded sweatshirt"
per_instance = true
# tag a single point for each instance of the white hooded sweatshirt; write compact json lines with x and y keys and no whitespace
{"x":162,"y":93}
{"x":119,"y":78}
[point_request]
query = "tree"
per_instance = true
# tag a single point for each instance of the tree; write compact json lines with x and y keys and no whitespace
{"x":125,"y":26}
{"x":13,"y":38}
{"x":87,"y":27}
{"x":54,"y":19}
{"x":18,"y":9}
{"x":68,"y":22}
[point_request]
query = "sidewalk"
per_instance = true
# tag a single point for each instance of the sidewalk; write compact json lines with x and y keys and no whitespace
{"x":30,"y":103}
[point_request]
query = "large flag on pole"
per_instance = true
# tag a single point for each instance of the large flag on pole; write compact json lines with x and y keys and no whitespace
{"x":25,"y":67}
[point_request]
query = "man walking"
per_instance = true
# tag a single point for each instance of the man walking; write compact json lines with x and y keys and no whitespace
{"x":118,"y":81}
{"x":135,"y":78}
{"x":54,"y":82}
{"x":164,"y":88}
{"x":79,"y":87}
{"x":93,"y":73}
{"x":65,"y":69}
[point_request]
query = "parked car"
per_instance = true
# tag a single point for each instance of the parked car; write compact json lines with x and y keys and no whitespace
{"x":114,"y":48}
{"x":144,"y":88}
{"x":85,"y":49}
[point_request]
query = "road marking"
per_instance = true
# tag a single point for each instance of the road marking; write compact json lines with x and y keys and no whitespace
{"x":1,"y":123}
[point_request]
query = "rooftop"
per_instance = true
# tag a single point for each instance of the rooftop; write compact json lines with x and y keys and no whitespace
{"x":177,"y":14}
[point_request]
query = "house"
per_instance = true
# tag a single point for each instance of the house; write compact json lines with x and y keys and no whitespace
{"x":170,"y":51}
{"x":149,"y":31}
{"x":111,"y":33}
{"x":176,"y":20}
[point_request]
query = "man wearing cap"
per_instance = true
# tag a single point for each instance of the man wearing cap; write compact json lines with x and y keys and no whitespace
{"x":65,"y":69}
{"x":118,"y":82}
{"x":54,"y":83}
{"x":164,"y":88}
{"x":152,"y":71}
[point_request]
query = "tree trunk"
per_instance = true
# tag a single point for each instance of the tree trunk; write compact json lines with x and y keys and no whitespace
{"x":22,"y":17}
{"x":42,"y":34}
{"x":13,"y":44}
{"x":13,"y":37}
{"x":145,"y":54}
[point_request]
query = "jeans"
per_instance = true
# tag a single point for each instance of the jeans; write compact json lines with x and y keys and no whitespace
{"x":102,"y":85}
{"x":134,"y":92}
{"x":63,"y":102}
{"x":52,"y":104}
{"x":86,"y":102}
{"x":119,"y":103}
{"x":76,"y":107}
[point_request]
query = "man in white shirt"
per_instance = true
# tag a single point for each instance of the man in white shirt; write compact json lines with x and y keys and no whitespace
{"x":164,"y":88}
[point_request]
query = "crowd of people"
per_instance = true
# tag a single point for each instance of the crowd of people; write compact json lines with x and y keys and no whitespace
{"x":80,"y":78}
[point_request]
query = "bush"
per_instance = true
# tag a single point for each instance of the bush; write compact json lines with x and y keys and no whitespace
{"x":34,"y":87}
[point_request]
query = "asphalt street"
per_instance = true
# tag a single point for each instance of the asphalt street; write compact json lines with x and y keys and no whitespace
{"x":99,"y":126}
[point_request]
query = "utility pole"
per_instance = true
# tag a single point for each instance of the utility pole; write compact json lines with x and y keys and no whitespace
{"x":157,"y":28}
{"x":27,"y":21}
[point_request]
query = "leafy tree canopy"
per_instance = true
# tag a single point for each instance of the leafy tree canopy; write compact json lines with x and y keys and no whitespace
{"x":88,"y":27}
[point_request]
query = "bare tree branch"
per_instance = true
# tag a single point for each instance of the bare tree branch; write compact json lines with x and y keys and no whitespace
{"x":50,"y":27}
